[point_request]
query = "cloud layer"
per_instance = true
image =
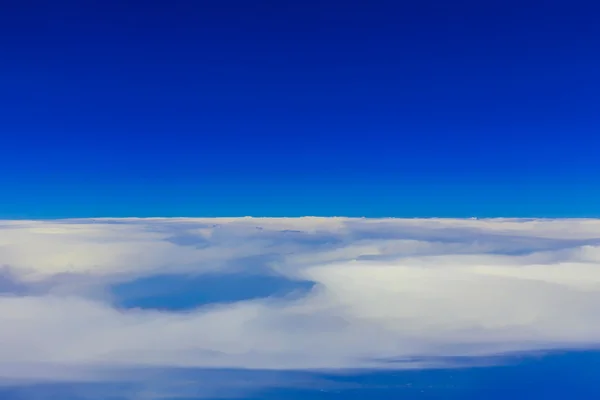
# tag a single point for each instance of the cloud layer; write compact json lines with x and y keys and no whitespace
{"x":383,"y":293}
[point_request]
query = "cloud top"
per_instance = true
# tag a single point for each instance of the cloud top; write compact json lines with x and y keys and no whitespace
{"x":382,"y":293}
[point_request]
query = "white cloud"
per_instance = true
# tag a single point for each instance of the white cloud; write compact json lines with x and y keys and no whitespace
{"x":385,"y":290}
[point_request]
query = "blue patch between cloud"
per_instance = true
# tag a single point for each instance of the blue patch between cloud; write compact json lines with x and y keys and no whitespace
{"x":558,"y":376}
{"x":10,"y":284}
{"x":185,"y":292}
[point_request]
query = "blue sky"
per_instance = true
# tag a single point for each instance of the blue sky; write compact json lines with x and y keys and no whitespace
{"x":234,"y":108}
{"x":295,"y":108}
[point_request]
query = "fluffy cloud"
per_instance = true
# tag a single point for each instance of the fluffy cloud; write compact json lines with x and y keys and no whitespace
{"x":386,"y":292}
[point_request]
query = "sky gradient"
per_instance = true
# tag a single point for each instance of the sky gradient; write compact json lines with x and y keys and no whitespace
{"x":233,"y":108}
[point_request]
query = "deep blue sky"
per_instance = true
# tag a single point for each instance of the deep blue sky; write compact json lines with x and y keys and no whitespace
{"x":368,"y":108}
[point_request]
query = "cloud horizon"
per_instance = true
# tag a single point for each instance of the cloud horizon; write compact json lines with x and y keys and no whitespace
{"x":290,"y":293}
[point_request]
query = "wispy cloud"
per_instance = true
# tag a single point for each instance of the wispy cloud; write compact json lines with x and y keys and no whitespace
{"x":383,"y":293}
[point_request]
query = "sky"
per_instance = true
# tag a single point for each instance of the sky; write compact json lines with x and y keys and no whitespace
{"x":159,"y":159}
{"x":289,"y":108}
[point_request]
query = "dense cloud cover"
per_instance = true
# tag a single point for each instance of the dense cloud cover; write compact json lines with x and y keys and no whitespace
{"x":290,"y":294}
